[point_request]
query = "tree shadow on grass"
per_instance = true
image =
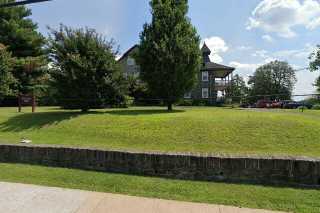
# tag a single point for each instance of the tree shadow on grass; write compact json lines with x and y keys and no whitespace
{"x":142,"y":112}
{"x":45,"y":119}
{"x":36,"y":120}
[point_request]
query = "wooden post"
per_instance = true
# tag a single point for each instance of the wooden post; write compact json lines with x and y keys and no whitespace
{"x":19,"y":103}
{"x":33,"y":103}
{"x":27,"y":100}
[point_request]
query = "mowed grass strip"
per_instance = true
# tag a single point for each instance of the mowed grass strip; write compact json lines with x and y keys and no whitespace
{"x":193,"y":129}
{"x":241,"y":195}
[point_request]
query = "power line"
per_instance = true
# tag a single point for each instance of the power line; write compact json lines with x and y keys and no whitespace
{"x":19,"y":3}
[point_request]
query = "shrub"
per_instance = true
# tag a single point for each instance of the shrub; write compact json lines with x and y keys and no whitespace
{"x":200,"y":103}
{"x":85,"y":72}
{"x":302,"y":108}
{"x":316,"y":107}
{"x":185,"y":102}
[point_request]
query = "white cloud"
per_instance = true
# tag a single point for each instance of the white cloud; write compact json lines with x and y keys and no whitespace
{"x":118,"y":57}
{"x":314,"y":24}
{"x":286,"y":55}
{"x":261,"y":54}
{"x":305,"y":82}
{"x":239,"y":65}
{"x":217,"y":46}
{"x":267,"y":38}
{"x":281,"y":16}
{"x":244,"y":69}
{"x":244,"y":48}
{"x":302,"y":53}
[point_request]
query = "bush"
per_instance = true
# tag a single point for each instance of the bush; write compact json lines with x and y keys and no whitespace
{"x":9,"y":101}
{"x":85,"y":72}
{"x":200,"y":103}
{"x":185,"y":102}
{"x":316,"y":107}
{"x":302,"y":108}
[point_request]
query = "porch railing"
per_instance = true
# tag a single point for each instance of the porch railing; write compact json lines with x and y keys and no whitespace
{"x":221,"y":83}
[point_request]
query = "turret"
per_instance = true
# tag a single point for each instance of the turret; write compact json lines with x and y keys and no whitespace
{"x":205,"y":53}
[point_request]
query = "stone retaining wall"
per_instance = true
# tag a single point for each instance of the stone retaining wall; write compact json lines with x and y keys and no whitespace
{"x":178,"y":166}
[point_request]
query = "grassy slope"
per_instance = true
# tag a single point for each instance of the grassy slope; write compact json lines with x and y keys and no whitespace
{"x":213,"y":130}
{"x":252,"y":196}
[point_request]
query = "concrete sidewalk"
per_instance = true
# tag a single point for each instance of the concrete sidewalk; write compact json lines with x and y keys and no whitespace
{"x":21,"y":198}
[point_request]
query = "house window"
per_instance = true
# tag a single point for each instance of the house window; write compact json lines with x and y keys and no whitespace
{"x":187,"y":95}
{"x":205,"y":93}
{"x":131,"y":62}
{"x":205,"y":76}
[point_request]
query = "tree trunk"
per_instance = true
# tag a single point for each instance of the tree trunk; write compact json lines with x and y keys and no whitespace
{"x":84,"y":110}
{"x":169,"y":106}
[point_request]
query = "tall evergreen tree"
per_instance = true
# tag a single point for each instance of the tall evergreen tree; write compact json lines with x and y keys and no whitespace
{"x":6,"y":77}
{"x":169,"y":53}
{"x":19,"y":34}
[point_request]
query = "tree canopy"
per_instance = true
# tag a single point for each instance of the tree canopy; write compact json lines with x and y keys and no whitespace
{"x":239,"y":89}
{"x":19,"y":34}
{"x":169,"y":53}
{"x":315,"y":59}
{"x":6,"y":78}
{"x":85,"y":71}
{"x":275,"y":79}
{"x":318,"y":84}
{"x":315,"y":65}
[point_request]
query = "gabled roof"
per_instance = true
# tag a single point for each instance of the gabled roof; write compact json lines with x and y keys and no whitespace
{"x":221,"y":71}
{"x":215,"y":66}
{"x":128,"y":52}
{"x":205,"y":49}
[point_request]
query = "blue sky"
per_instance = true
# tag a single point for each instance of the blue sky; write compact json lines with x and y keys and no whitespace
{"x":241,"y":33}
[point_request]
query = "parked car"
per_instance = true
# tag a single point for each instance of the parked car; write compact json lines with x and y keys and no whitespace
{"x":292,"y":105}
{"x":275,"y":104}
{"x":263,"y":103}
{"x":244,"y":105}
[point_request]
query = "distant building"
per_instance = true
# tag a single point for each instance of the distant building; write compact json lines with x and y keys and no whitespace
{"x":127,"y":63}
{"x":213,"y":79}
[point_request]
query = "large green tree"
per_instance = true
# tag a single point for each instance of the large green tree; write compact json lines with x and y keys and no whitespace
{"x":6,"y":77}
{"x":85,"y":72}
{"x":275,"y":79}
{"x":315,"y":65}
{"x":169,"y":53}
{"x":317,"y":84}
{"x":19,"y":33}
{"x":238,"y":90}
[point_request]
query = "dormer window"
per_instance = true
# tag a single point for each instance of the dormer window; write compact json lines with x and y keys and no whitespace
{"x":131,"y":62}
{"x":205,"y":76}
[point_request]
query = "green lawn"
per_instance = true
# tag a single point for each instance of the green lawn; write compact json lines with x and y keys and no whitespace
{"x":252,"y":196}
{"x":207,"y":130}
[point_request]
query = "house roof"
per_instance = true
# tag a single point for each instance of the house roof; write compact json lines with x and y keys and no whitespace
{"x":215,"y":66}
{"x":221,"y":71}
{"x":128,"y":52}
